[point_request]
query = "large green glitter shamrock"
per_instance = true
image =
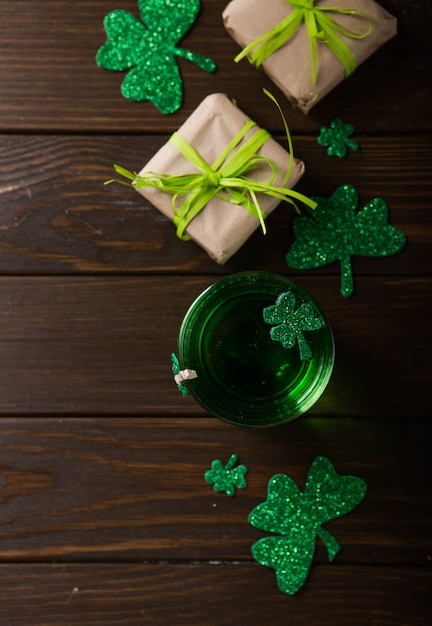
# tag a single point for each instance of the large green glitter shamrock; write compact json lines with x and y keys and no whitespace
{"x":336,"y":138}
{"x":226,"y":478}
{"x":298,"y":516}
{"x":291,"y":323}
{"x":148,"y":50}
{"x":336,"y":230}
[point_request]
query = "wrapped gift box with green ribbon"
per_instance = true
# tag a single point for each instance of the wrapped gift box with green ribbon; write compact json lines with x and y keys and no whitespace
{"x":219,"y":176}
{"x":307,"y":47}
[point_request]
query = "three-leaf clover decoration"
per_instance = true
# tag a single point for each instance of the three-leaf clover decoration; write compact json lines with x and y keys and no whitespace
{"x":336,"y":230}
{"x":298,"y":516}
{"x":226,"y":478}
{"x":336,"y":138}
{"x":148,"y":49}
{"x":291,"y":323}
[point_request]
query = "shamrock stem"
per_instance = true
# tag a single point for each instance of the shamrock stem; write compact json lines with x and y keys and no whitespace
{"x":232,"y":461}
{"x":204,"y":63}
{"x":331,"y":543}
{"x":347,"y":282}
{"x":352,"y":144}
{"x":305,"y":351}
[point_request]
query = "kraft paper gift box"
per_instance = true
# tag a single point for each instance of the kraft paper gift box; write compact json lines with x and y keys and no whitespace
{"x":290,"y":67}
{"x":221,"y":227}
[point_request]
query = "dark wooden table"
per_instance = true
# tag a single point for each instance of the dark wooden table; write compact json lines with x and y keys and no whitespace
{"x":105,"y":517}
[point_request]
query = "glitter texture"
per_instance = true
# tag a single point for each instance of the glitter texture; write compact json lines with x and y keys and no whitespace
{"x":226,"y":478}
{"x":336,"y":138}
{"x":291,"y":323}
{"x":336,"y":230}
{"x":297,"y":518}
{"x":175,"y":368}
{"x":148,"y":50}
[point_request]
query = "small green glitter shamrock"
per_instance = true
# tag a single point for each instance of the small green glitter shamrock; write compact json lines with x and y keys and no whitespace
{"x":298,"y":516}
{"x":336,"y":230}
{"x":291,"y":323}
{"x":175,"y":367}
{"x":336,"y":137}
{"x":148,"y":50}
{"x":226,"y":478}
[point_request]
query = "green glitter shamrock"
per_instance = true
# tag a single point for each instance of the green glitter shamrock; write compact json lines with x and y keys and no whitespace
{"x":336,"y":230}
{"x":175,"y":367}
{"x":291,"y":323}
{"x":228,"y":477}
{"x":298,"y":516}
{"x":148,"y":50}
{"x":336,"y":137}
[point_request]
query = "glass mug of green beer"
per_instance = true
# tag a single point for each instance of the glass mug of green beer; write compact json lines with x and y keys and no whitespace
{"x":255,"y":349}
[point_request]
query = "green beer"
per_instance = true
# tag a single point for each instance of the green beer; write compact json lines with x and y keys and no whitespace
{"x":244,"y":375}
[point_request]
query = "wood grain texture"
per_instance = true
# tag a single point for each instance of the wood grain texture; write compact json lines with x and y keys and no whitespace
{"x":105,"y":518}
{"x":158,"y":595}
{"x":47,"y":58}
{"x":133,"y":489}
{"x":57,"y":216}
{"x":102,"y":345}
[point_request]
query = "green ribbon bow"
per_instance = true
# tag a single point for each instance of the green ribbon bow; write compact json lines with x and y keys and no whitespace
{"x":225,"y":178}
{"x":320,"y":27}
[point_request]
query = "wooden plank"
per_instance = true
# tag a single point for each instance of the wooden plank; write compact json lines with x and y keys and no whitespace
{"x":58,"y":216}
{"x":101,"y":345}
{"x":131,"y":489}
{"x":47,"y":57}
{"x":218,"y":595}
{"x":105,"y":517}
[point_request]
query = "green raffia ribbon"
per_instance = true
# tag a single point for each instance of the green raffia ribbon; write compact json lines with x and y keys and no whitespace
{"x":320,"y":27}
{"x":225,"y":178}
